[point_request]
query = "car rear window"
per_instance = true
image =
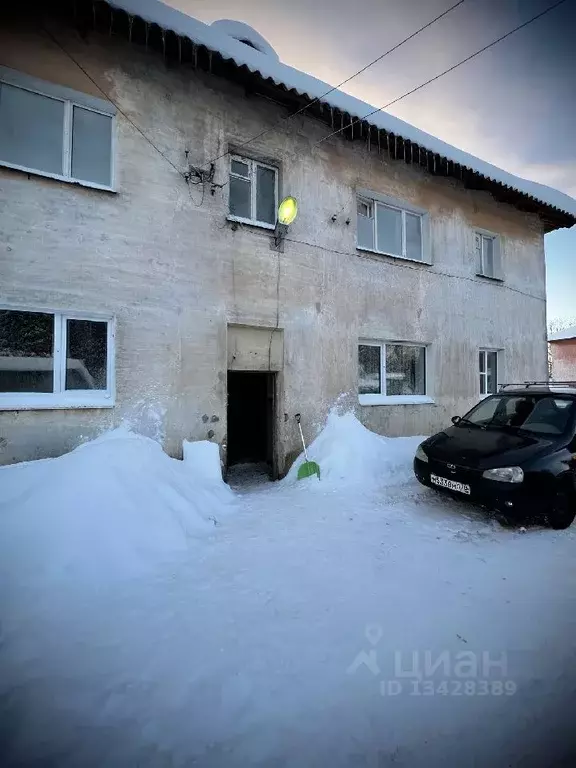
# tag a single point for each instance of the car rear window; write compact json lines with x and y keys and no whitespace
{"x":550,"y":415}
{"x":545,"y":415}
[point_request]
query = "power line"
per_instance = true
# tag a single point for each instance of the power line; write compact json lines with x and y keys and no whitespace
{"x":431,"y":80}
{"x":400,"y":265}
{"x":319,"y":98}
{"x":446,"y":71}
{"x":336,"y":87}
{"x":267,"y":130}
{"x":103,"y":92}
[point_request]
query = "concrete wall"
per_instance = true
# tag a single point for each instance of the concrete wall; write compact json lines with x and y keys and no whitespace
{"x":162,"y":258}
{"x":563,"y":360}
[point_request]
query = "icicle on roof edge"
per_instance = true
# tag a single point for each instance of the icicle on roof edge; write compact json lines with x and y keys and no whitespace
{"x":269,"y":66}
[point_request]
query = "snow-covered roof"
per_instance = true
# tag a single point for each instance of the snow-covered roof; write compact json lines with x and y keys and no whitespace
{"x":567,"y":333}
{"x":239,"y":42}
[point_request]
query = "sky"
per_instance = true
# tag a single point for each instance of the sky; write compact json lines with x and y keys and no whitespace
{"x":514,"y":105}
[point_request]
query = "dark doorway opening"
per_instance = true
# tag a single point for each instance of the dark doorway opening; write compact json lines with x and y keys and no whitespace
{"x":251,"y":418}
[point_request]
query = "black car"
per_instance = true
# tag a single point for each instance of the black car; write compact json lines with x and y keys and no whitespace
{"x":514,"y":452}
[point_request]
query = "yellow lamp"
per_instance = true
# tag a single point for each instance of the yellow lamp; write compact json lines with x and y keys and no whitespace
{"x":287,"y":210}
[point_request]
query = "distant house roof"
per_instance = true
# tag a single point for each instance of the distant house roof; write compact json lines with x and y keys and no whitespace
{"x":239,"y":43}
{"x":567,"y":333}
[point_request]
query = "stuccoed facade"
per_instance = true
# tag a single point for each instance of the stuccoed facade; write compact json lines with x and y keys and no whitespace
{"x":180,"y":280}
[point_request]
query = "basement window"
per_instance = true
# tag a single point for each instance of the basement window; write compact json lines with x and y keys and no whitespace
{"x":253,"y":192}
{"x":392,"y":373}
{"x":55,"y":360}
{"x":52,"y":131}
{"x":391,"y":228}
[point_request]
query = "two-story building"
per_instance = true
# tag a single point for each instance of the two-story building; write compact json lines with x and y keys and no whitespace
{"x":144,"y":278}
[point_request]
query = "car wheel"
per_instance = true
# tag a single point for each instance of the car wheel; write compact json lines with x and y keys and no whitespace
{"x":563,"y":511}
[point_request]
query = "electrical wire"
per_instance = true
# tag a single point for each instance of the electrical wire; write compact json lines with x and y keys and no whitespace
{"x":267,"y":130}
{"x":103,"y":92}
{"x":277,"y":326}
{"x":357,"y":120}
{"x":195,"y":184}
{"x":302,"y":109}
{"x":446,"y":71}
{"x":399,"y":265}
{"x":336,"y":87}
{"x":432,"y":79}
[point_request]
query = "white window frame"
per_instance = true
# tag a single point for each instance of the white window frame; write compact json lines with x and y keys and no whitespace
{"x":373,"y":200}
{"x":484,"y":234}
{"x":369,"y":207}
{"x":70,"y":99}
{"x":483,"y":371}
{"x":382,"y":398}
{"x":60,"y":397}
{"x":253,"y":165}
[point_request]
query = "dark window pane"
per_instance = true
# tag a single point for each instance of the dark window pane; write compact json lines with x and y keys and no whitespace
{"x":492,"y":360}
{"x":490,"y":388}
{"x":550,"y":416}
{"x":265,"y":195}
{"x":86,"y":354}
{"x":413,"y":236}
{"x":240,"y":198}
{"x":544,"y":415}
{"x":91,"y":146}
{"x":369,"y":379}
{"x":26,"y":351}
{"x":31,"y":129}
{"x":389,"y":230}
{"x":405,"y":370}
{"x":240,"y":168}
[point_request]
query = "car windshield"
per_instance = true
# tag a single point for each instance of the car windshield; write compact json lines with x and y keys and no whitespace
{"x":542,"y":414}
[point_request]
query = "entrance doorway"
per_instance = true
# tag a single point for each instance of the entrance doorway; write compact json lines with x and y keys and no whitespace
{"x":251,"y":406}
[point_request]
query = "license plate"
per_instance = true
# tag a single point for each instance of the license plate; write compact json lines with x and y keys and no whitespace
{"x":452,"y":485}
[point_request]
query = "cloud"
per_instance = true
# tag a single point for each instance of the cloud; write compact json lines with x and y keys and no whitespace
{"x":485,"y":108}
{"x":561,"y":176}
{"x":466,"y":128}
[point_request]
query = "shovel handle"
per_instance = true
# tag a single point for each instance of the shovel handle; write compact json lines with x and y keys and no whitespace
{"x":297,"y":417}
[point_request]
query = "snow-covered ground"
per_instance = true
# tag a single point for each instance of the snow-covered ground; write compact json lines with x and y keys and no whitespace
{"x":151,"y":617}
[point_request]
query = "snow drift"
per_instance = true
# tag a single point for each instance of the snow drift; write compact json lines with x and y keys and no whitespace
{"x":350,"y":454}
{"x":270,"y":645}
{"x":111,"y":509}
{"x":203,"y":459}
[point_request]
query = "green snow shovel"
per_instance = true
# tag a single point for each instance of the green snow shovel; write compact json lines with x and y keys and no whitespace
{"x":308,"y":468}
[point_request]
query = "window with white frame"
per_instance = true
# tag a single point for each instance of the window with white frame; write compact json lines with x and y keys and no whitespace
{"x":488,"y":369}
{"x":390,"y":230}
{"x":253,"y":191}
{"x":391,"y":370}
{"x":487,"y":254}
{"x":55,"y":132}
{"x":55,"y":359}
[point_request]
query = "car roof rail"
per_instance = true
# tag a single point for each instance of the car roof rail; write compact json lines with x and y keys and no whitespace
{"x":540,"y":384}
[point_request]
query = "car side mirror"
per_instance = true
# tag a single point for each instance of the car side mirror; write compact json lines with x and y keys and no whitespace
{"x":455,"y":420}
